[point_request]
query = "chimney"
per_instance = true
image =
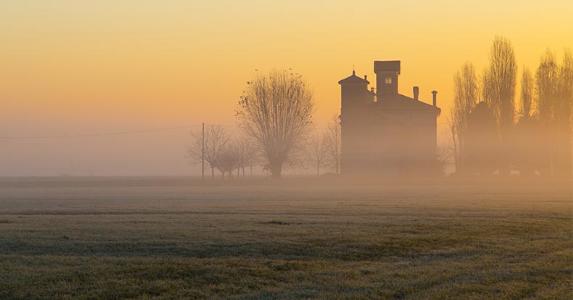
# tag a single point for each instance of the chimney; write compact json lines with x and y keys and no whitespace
{"x":434,"y":97}
{"x":416,"y":93}
{"x":366,"y":77}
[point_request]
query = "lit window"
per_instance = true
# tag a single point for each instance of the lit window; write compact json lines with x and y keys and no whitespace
{"x":388,"y":80}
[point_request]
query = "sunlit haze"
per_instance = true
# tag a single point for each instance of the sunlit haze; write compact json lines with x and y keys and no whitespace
{"x":72,"y":67}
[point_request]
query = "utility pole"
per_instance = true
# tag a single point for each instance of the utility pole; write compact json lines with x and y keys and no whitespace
{"x":337,"y":139}
{"x":337,"y":154}
{"x":202,"y":151}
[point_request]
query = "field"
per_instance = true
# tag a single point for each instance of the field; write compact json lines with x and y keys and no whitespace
{"x":111,"y":238}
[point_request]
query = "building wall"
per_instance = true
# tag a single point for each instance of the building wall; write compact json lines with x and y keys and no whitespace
{"x":387,"y":142}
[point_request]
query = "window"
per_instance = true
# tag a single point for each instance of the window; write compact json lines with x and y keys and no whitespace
{"x":388,"y":80}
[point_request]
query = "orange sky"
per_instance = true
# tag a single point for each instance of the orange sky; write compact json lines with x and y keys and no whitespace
{"x":71,"y":66}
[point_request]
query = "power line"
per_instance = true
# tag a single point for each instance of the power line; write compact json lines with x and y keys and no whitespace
{"x":92,"y":135}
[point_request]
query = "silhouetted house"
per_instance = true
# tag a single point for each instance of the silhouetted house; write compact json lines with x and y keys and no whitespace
{"x":385,"y":132}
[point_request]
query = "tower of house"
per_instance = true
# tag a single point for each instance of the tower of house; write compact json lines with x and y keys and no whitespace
{"x":356,"y":100}
{"x":387,"y":73}
{"x":354,"y":92}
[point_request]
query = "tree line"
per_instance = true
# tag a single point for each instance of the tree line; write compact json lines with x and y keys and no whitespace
{"x":275,"y":130}
{"x":492,"y":133}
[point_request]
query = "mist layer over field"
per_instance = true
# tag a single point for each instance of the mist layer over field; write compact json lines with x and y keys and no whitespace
{"x":301,"y":238}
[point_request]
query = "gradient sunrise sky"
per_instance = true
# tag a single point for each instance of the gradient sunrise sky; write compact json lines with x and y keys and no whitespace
{"x":74,"y":67}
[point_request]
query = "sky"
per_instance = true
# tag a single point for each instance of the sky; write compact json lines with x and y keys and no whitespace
{"x":71,"y":67}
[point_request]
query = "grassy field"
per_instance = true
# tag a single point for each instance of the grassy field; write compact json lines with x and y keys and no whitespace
{"x":142,"y":238}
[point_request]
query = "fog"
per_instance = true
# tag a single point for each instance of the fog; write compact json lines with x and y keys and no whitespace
{"x":71,"y":68}
{"x":159,"y":152}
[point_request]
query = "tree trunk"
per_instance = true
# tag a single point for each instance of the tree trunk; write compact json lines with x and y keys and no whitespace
{"x":276,"y":170}
{"x":563,"y":150}
{"x":212,"y":172}
{"x":337,"y":164}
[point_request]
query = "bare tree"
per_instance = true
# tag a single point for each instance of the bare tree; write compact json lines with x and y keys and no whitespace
{"x":247,"y":155}
{"x":482,"y":141}
{"x":566,"y":87}
{"x":499,"y":92}
{"x":526,"y":93}
{"x":547,"y":78}
{"x":317,"y":151}
{"x":228,"y":159}
{"x":216,"y":138}
{"x":555,"y":94}
{"x":526,"y":140}
{"x":547,"y":85}
{"x":332,"y":143}
{"x":499,"y":81}
{"x":465,"y":98}
{"x":563,"y":115}
{"x":276,"y":110}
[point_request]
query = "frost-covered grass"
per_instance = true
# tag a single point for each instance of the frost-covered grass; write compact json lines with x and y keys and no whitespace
{"x":135,"y":238}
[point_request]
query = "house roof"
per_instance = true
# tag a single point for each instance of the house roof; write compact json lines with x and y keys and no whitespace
{"x":387,"y":66}
{"x":401,"y":102}
{"x":353,"y":79}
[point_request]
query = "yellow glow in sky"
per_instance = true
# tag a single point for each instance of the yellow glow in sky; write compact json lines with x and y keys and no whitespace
{"x":120,"y":64}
